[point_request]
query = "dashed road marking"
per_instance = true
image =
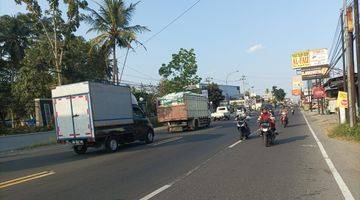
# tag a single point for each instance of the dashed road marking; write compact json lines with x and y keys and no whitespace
{"x":342,"y":185}
{"x":167,"y":141}
{"x":151,"y":195}
{"x":231,"y":146}
{"x":25,"y":179}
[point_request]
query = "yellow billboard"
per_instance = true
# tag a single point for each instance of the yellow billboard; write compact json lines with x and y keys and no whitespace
{"x":342,"y":101}
{"x":309,"y":58}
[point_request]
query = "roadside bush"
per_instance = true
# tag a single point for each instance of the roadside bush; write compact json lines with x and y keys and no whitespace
{"x":344,"y":131}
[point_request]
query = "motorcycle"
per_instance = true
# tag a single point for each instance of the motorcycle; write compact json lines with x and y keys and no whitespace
{"x":267,"y":133}
{"x":284,"y":119}
{"x":243,"y":128}
{"x":292,"y":111}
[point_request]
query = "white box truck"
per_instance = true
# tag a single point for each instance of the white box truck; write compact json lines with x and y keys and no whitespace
{"x":183,"y":111}
{"x":91,"y":114}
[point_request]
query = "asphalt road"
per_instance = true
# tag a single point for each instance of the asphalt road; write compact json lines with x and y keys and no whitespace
{"x":204,"y":164}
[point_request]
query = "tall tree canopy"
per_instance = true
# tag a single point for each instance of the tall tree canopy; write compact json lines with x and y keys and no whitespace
{"x":279,"y":94}
{"x":112,"y":22}
{"x":180,"y":72}
{"x":58,"y":30}
{"x":215,"y":94}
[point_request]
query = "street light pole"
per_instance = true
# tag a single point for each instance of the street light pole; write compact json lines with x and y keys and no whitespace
{"x":227,"y":76}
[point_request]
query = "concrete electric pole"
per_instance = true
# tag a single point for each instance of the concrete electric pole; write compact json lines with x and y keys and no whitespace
{"x":350,"y":66}
{"x":357,"y":45}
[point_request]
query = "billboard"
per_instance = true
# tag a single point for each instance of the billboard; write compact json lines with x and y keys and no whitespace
{"x":342,"y":101}
{"x":296,"y":92}
{"x":318,"y":92}
{"x":297,"y":82}
{"x":309,"y":58}
{"x":314,"y":72}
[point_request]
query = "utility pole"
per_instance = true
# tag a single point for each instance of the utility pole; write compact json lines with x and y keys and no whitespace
{"x":343,"y":50}
{"x":350,"y":67}
{"x":357,"y":46}
{"x":243,"y":78}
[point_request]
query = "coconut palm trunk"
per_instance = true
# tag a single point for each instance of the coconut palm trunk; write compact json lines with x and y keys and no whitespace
{"x":115,"y":71}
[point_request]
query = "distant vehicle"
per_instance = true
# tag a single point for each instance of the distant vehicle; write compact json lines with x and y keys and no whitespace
{"x":222,"y":112}
{"x":241,"y":111}
{"x":183,"y":111}
{"x":92,"y":114}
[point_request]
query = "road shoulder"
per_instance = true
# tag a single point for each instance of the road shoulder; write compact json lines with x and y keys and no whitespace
{"x":344,"y":154}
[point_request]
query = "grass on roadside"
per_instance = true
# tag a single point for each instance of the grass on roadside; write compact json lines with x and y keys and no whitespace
{"x":344,"y":131}
{"x":22,"y":130}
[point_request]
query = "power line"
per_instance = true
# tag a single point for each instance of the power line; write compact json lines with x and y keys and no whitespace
{"x":171,"y":22}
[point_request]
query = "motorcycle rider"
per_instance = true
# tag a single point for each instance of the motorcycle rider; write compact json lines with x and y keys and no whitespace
{"x":284,"y":112}
{"x":243,"y":118}
{"x":267,"y":116}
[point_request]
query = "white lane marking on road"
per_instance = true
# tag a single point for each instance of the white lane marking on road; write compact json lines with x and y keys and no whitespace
{"x":342,"y":185}
{"x":167,"y":140}
{"x":231,"y":146}
{"x":151,"y":195}
{"x":25,"y":179}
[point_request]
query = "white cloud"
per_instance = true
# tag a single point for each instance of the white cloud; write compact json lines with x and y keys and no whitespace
{"x":255,"y":48}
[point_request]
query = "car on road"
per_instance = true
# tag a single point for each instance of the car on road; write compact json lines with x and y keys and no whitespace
{"x":222,"y":112}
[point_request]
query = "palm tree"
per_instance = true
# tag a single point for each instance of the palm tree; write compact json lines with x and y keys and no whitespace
{"x":112,"y":22}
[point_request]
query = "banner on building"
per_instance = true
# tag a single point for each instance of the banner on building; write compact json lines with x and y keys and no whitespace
{"x":342,"y":101}
{"x":318,"y":92}
{"x":314,"y":73}
{"x":309,"y":58}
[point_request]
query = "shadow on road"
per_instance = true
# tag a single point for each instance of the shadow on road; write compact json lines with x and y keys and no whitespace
{"x":295,"y":125}
{"x":290,"y":139}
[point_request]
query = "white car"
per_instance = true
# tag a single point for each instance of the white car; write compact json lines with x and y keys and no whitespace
{"x":222,"y":112}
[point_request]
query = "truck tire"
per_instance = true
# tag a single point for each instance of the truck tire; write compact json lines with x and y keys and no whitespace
{"x":80,"y":149}
{"x":196,"y":124}
{"x":149,"y":137}
{"x":112,"y":144}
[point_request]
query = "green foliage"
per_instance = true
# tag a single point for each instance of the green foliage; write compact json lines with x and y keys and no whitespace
{"x":344,"y":131}
{"x":27,"y":70}
{"x":81,"y":64}
{"x":56,"y":28}
{"x":215,"y":94}
{"x":179,"y":73}
{"x":279,"y":94}
{"x":112,"y":22}
{"x":149,"y":99}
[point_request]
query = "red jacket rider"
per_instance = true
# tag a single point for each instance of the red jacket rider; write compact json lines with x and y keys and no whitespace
{"x":267,"y":116}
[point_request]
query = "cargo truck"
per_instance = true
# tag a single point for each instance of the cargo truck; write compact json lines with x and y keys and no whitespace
{"x":183,"y":111}
{"x":91,"y":114}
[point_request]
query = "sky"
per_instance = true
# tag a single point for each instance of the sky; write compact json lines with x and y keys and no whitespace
{"x":255,"y":38}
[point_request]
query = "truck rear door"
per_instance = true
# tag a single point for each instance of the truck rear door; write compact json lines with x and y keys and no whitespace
{"x":63,"y":117}
{"x":81,"y":116}
{"x":73,"y":117}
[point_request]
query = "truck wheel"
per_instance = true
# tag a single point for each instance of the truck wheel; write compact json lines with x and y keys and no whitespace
{"x":149,"y":138}
{"x":80,"y":149}
{"x":112,"y":144}
{"x":196,"y":124}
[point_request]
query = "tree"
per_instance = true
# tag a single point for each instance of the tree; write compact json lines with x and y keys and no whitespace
{"x":14,"y":38}
{"x":279,"y":94}
{"x":112,"y":21}
{"x":179,"y":73}
{"x":215,"y":94}
{"x":81,"y":64}
{"x":58,"y":30}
